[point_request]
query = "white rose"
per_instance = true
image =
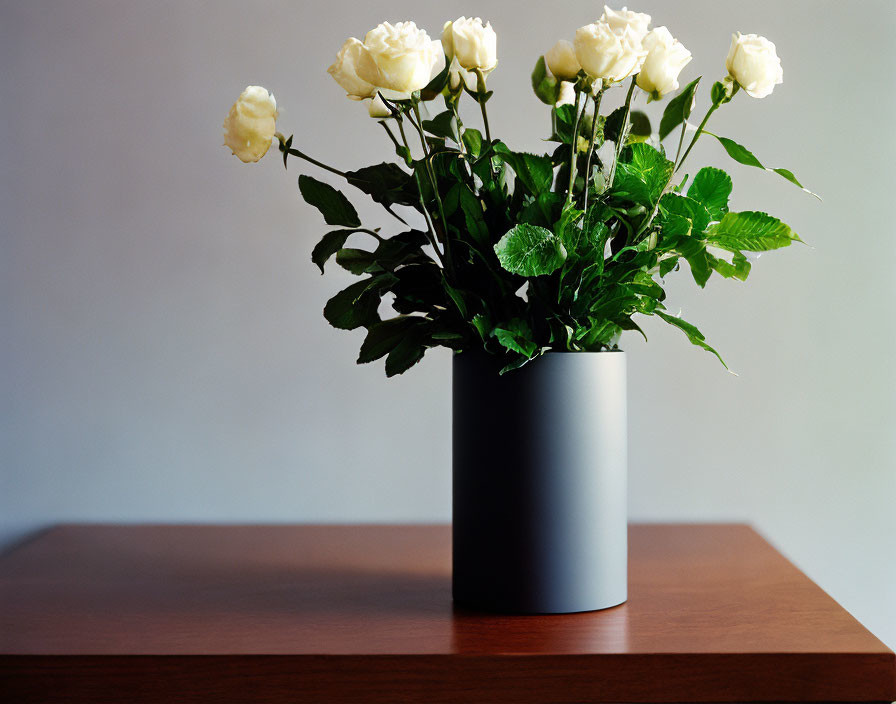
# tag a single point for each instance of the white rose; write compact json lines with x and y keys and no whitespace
{"x":567,"y":94}
{"x":378,"y":109}
{"x":620,"y":20}
{"x":404,"y":59}
{"x":471,"y":43}
{"x":562,"y":62}
{"x":754,"y":64}
{"x":608,"y":55}
{"x":351,"y":56}
{"x":251,"y":124}
{"x":666,"y":57}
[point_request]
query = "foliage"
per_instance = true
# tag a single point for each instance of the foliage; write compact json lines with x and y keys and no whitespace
{"x":522,"y":253}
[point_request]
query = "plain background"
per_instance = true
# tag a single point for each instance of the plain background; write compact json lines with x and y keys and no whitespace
{"x":164,"y":357}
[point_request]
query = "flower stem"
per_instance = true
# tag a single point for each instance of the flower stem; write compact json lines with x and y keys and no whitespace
{"x":292,"y":151}
{"x":430,"y":229}
{"x":623,"y":130}
{"x":597,"y":99}
{"x":575,"y":146}
{"x":712,"y":109}
{"x":446,"y":244}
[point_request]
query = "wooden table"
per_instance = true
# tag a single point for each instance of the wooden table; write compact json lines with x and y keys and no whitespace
{"x":363,"y":614}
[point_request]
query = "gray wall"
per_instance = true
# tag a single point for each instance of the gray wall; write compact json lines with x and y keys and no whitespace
{"x":163,"y":353}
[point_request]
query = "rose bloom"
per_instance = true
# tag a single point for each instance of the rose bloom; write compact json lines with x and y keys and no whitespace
{"x":608,"y":55}
{"x":404,"y":58}
{"x":472,"y":44}
{"x":251,"y":123}
{"x":620,"y":20}
{"x":345,"y":70}
{"x":753,"y":62}
{"x":666,"y":57}
{"x":562,"y":62}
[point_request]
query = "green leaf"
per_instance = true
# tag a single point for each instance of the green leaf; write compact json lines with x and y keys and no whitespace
{"x":442,"y":125}
{"x":752,"y":231}
{"x":436,"y":85}
{"x":667,"y":265}
{"x":694,"y":335}
{"x":681,"y":215}
{"x":679,"y":109}
{"x":742,"y":155}
{"x":534,"y":171}
{"x":546,"y":87}
{"x":387,"y":183}
{"x":473,"y":141}
{"x":331,"y":203}
{"x":642,"y":177}
{"x":529,"y":250}
{"x":329,"y":244}
{"x":405,"y":355}
{"x":737,"y":268}
{"x":564,"y":123}
{"x":515,"y":336}
{"x":711,"y":187}
{"x":383,"y":337}
{"x":357,"y":305}
{"x":357,"y":261}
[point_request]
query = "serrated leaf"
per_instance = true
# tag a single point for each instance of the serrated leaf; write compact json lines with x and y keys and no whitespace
{"x":529,"y":250}
{"x":332,"y":204}
{"x":642,"y":177}
{"x":752,"y":231}
{"x":679,"y":109}
{"x":711,"y":187}
{"x":515,"y":341}
{"x":681,"y":215}
{"x":536,"y":172}
{"x":694,"y":335}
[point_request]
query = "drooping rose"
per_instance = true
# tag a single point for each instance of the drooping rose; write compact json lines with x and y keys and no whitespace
{"x":562,"y":62}
{"x":404,"y":59}
{"x":608,"y":55}
{"x":251,"y":124}
{"x":351,"y":56}
{"x":471,"y":43}
{"x":666,"y":57}
{"x":620,"y":20}
{"x":753,"y":62}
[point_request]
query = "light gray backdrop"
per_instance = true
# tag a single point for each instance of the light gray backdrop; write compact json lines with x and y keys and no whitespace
{"x":163,"y":353}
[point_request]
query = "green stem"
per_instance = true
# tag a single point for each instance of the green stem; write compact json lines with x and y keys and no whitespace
{"x":430,"y":229}
{"x":480,"y":98}
{"x":575,"y":146}
{"x":446,"y":244}
{"x":676,"y":167}
{"x":391,"y":135}
{"x":712,"y":109}
{"x":597,"y":99}
{"x":684,"y":129}
{"x":620,"y":142}
{"x":292,"y":151}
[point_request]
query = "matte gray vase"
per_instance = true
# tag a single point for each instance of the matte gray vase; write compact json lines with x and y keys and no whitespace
{"x":539,"y":475}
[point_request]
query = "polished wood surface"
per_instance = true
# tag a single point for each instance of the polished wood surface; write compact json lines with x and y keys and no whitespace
{"x":364,"y":614}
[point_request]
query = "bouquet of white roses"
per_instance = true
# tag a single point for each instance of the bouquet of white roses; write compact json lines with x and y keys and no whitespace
{"x":518,"y":253}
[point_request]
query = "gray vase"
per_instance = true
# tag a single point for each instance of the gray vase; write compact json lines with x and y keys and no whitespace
{"x":539,"y":481}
